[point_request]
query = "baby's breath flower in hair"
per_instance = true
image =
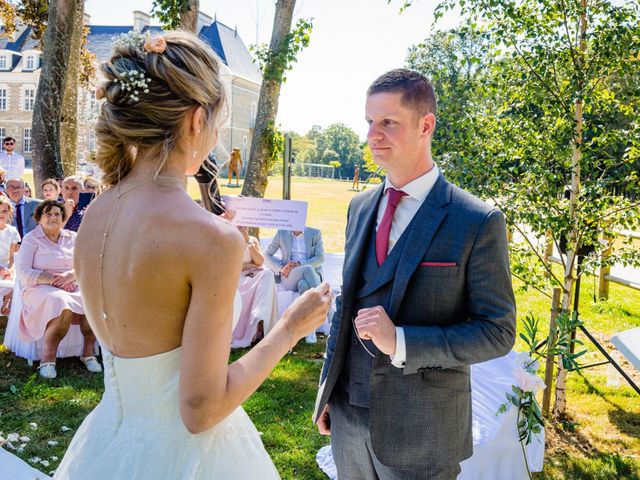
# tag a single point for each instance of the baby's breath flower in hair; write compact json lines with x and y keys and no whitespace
{"x":130,"y":39}
{"x":134,"y":82}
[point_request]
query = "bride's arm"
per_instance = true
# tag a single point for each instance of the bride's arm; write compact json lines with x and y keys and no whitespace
{"x":210,"y":389}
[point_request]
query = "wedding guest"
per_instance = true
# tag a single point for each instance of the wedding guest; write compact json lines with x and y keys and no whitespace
{"x":27,"y":190}
{"x":302,"y":254}
{"x":72,"y":187}
{"x":92,"y":185}
{"x":11,"y":160}
{"x":50,"y":189}
{"x":3,"y":179}
{"x":257,"y":287}
{"x":23,"y":206}
{"x":50,"y":296}
{"x":9,"y":241}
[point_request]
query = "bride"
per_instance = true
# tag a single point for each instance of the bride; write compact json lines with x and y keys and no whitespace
{"x":158,"y":276}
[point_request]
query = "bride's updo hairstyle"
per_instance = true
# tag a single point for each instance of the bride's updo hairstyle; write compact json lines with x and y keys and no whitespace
{"x":148,"y":89}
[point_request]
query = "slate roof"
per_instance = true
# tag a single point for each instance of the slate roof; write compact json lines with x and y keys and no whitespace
{"x":224,"y":40}
{"x":231,"y":49}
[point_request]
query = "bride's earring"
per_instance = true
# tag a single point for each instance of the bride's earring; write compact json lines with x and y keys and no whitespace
{"x":195,"y":152}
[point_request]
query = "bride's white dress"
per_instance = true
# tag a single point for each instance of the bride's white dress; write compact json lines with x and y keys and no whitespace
{"x":136,"y":431}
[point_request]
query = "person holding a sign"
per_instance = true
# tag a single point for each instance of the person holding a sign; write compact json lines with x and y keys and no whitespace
{"x":301,"y":257}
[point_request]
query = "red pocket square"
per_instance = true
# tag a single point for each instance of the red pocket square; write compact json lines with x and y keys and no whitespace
{"x":438,"y":264}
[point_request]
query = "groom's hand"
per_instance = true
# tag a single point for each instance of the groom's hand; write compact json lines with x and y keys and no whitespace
{"x":324,"y":422}
{"x":374,"y":324}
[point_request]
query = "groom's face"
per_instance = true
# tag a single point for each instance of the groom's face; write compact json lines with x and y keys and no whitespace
{"x":397,"y":136}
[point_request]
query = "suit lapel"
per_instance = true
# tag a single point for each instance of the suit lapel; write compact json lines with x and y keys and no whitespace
{"x":287,"y":243}
{"x":422,"y":230}
{"x":308,"y":242}
{"x":358,"y":240}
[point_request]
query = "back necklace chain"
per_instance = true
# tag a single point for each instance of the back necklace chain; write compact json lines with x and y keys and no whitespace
{"x":162,"y":181}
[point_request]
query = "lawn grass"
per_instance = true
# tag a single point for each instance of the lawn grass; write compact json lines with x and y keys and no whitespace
{"x":599,"y":439}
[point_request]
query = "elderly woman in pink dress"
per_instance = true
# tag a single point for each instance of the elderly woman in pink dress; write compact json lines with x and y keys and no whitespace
{"x":257,"y":287}
{"x":50,"y":296}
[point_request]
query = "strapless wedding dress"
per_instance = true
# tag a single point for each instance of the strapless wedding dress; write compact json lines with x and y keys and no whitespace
{"x":136,"y":431}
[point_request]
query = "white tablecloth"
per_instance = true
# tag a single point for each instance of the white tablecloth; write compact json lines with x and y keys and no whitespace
{"x":497,"y":453}
{"x":628,"y":342}
{"x":12,"y":468}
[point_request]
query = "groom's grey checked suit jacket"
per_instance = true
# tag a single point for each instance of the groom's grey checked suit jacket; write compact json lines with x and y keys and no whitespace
{"x":452,"y":316}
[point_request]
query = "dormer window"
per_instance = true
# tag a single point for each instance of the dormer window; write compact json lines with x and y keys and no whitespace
{"x":30,"y":62}
{"x":3,"y":62}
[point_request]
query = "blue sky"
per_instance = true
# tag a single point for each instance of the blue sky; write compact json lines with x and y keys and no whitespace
{"x":353,"y":42}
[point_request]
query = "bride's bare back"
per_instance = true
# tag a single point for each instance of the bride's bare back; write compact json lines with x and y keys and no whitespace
{"x":146,"y":287}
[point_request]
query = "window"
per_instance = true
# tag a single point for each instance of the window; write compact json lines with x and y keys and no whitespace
{"x":29,"y":99}
{"x":93,"y":103}
{"x":252,"y":120}
{"x":3,"y":62}
{"x":26,"y":140}
{"x":30,"y":62}
{"x":3,"y":134}
{"x":3,"y":100}
{"x":92,"y":141}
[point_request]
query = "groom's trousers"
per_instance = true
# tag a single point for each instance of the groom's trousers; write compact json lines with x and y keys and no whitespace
{"x":354,"y":456}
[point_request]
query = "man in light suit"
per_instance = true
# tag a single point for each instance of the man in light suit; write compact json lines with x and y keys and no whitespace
{"x":302,"y":254}
{"x":426,"y":293}
{"x":23,"y":206}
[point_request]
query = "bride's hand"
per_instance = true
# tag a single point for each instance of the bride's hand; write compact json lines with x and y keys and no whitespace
{"x":308,"y":311}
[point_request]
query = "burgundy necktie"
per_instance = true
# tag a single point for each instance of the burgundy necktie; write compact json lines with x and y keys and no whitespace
{"x":382,"y":235}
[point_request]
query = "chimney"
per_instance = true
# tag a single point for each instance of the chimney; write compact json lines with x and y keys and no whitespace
{"x":204,"y":20}
{"x":140,"y":20}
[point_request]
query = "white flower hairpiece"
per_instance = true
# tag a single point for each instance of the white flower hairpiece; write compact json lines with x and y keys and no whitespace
{"x":134,"y":82}
{"x":130,"y":39}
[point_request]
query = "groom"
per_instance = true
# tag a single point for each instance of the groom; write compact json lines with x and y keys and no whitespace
{"x":426,"y":292}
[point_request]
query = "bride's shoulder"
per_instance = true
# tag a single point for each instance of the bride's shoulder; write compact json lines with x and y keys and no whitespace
{"x":208,"y":232}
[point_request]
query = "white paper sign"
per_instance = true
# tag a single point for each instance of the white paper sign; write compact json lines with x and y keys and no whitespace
{"x":265,"y":213}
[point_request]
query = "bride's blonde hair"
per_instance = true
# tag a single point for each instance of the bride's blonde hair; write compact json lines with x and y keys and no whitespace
{"x":182,"y":76}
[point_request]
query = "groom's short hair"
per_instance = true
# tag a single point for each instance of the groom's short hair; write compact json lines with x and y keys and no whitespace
{"x":417,"y":91}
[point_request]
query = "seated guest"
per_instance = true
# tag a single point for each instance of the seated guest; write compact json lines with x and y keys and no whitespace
{"x":3,"y":179}
{"x":9,"y":240}
{"x":72,"y":187}
{"x":23,"y":206}
{"x":302,"y":254}
{"x":50,"y":189}
{"x":50,"y":296}
{"x":257,"y":287}
{"x":92,"y":185}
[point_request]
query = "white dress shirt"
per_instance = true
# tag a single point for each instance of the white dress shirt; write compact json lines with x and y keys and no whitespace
{"x":416,"y":190}
{"x":298,"y":248}
{"x":13,"y":163}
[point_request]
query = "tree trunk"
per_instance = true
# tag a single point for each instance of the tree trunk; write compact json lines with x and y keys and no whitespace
{"x":255,"y":182}
{"x":69,"y":117}
{"x":560,"y":405}
{"x":189,"y":18}
{"x":49,"y":97}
